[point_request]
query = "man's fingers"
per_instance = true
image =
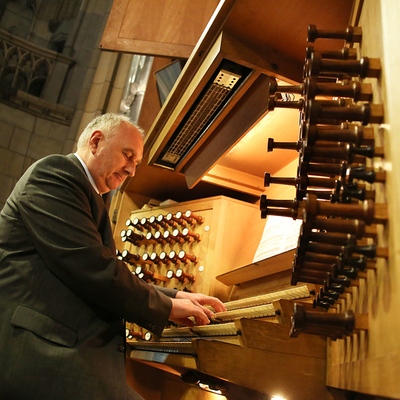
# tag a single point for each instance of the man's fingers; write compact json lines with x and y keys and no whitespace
{"x":201,"y":317}
{"x":202,"y":299}
{"x":208,"y":312}
{"x":200,"y":320}
{"x":181,"y":309}
{"x":217,"y":305}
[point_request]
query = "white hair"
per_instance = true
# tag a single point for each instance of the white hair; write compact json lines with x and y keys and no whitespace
{"x":108,"y":124}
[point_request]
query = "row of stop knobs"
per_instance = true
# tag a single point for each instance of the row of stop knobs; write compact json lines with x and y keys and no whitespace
{"x":155,"y":236}
{"x":167,"y":222}
{"x":179,"y":274}
{"x":162,"y":258}
{"x":158,"y":237}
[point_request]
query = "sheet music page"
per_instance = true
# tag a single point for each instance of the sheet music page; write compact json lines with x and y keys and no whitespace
{"x":280,"y":234}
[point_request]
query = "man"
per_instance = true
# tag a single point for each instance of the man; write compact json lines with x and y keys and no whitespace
{"x":63,"y":293}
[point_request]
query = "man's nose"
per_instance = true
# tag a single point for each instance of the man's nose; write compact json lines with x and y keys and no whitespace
{"x":130,"y":169}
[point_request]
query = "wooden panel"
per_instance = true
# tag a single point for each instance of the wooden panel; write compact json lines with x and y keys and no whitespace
{"x":168,"y":28}
{"x":171,"y":359}
{"x":267,"y":284}
{"x":161,"y":184}
{"x":275,"y":337}
{"x":167,"y":21}
{"x":282,"y":26}
{"x":268,"y":266}
{"x":235,"y":179}
{"x":158,"y":382}
{"x":289,"y":376}
{"x":121,"y":206}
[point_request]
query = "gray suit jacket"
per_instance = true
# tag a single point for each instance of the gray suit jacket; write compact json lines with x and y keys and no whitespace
{"x":63,"y":293}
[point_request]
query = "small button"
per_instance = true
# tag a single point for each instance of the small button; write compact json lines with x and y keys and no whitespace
{"x":121,"y":348}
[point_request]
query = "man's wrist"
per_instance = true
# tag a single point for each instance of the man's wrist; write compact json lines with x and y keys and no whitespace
{"x":180,"y":294}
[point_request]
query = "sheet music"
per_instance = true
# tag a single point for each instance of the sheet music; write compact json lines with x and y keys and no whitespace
{"x":280,"y":234}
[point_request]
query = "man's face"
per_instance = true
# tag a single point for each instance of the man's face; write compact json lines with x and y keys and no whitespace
{"x":114,"y":160}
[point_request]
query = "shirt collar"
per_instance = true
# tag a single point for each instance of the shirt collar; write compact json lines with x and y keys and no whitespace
{"x":89,"y":175}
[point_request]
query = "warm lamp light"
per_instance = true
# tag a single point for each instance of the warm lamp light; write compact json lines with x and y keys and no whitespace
{"x":206,"y":387}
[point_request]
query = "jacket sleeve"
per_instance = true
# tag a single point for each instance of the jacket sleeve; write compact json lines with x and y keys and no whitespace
{"x":69,"y":227}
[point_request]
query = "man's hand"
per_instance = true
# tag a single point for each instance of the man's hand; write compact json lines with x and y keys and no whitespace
{"x":192,"y":305}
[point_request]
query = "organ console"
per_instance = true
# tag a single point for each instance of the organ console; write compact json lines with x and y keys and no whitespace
{"x":188,"y":236}
{"x":340,"y":292}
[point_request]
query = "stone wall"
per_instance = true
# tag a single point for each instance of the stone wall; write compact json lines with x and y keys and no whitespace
{"x":24,"y":138}
{"x":28,"y":133}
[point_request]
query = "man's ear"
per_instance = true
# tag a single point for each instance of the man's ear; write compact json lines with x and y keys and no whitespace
{"x":94,"y":141}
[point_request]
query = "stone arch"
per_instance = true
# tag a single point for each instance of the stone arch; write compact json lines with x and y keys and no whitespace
{"x":15,"y":77}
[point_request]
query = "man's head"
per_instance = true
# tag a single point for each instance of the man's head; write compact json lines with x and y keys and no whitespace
{"x":111,"y":147}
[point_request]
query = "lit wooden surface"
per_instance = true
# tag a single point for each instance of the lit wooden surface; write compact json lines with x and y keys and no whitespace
{"x":258,"y":269}
{"x":291,"y":376}
{"x":275,"y":337}
{"x":169,"y":28}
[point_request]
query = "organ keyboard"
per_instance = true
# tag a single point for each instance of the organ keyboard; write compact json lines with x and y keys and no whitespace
{"x":248,"y":350}
{"x":175,"y":339}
